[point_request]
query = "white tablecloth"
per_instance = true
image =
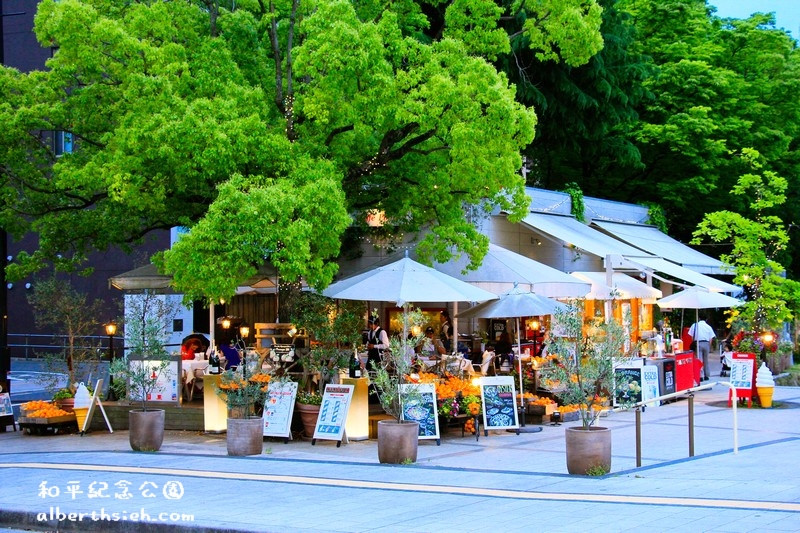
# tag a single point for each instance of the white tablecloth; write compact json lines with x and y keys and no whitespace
{"x":190,"y":366}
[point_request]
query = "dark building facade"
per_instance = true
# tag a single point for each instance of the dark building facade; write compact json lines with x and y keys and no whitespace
{"x":20,"y":50}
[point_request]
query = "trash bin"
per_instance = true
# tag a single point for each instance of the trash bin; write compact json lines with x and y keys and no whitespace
{"x":684,"y":371}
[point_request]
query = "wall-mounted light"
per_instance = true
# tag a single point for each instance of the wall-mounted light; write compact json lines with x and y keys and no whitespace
{"x":226,"y":323}
{"x":244,"y":331}
{"x":28,"y":285}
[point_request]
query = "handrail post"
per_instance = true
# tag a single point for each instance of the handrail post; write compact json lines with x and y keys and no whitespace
{"x":691,"y":424}
{"x":638,"y":437}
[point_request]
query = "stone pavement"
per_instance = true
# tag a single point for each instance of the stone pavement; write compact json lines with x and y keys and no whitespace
{"x":503,"y":482}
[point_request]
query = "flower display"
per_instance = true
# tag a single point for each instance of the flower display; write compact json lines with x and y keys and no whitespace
{"x":753,"y":342}
{"x":244,"y":396}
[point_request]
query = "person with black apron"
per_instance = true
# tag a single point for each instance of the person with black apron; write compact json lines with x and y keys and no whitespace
{"x":377,"y":342}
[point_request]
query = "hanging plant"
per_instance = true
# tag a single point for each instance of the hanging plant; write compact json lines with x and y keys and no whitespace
{"x":577,"y":206}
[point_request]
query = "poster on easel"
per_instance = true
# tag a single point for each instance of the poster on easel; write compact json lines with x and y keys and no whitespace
{"x":6,"y":411}
{"x":498,"y":395}
{"x":420,"y":408}
{"x":95,"y":402}
{"x":279,"y":408}
{"x":742,"y":376}
{"x":333,"y":413}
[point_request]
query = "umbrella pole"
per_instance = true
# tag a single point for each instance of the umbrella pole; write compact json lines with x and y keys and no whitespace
{"x":212,"y":328}
{"x":519,"y":365}
{"x":405,"y":329}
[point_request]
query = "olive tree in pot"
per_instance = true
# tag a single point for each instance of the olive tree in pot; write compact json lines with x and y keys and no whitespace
{"x":587,"y":354}
{"x":398,"y":439}
{"x":147,"y":325}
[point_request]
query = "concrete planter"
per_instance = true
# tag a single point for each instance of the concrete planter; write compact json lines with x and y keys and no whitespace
{"x":146,"y":433}
{"x":245,"y":436}
{"x":397,"y":441}
{"x":588,"y":449}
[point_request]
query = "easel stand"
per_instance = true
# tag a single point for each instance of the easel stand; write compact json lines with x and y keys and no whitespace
{"x":95,"y":403}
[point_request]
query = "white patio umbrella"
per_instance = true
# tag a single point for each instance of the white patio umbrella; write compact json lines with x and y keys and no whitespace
{"x":697,"y":298}
{"x":515,"y":303}
{"x":406,"y":281}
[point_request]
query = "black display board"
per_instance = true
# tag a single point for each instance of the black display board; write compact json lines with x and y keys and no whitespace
{"x":421,"y":408}
{"x":628,"y":385}
{"x":498,"y":395}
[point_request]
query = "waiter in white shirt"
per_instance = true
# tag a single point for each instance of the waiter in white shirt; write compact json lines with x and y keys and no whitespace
{"x":702,"y":334}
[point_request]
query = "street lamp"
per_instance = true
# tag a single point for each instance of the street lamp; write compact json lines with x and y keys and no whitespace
{"x":111,"y":330}
{"x":766,"y":338}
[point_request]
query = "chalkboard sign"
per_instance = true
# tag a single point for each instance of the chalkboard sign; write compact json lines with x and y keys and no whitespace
{"x":628,"y":385}
{"x":333,"y":413}
{"x":279,"y":408}
{"x":499,"y":403}
{"x":421,"y":409}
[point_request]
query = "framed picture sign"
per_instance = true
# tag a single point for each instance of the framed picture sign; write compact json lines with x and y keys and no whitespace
{"x":333,"y":413}
{"x":421,"y":408}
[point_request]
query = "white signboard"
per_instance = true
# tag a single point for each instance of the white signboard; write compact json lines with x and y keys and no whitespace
{"x":278,"y":409}
{"x":333,"y":413}
{"x":166,"y":388}
{"x":742,"y":373}
{"x":422,"y":409}
{"x":5,"y":405}
{"x":499,"y":399}
{"x":650,"y":385}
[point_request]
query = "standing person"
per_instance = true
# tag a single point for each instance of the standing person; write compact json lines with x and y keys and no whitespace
{"x":702,"y":334}
{"x":377,"y":342}
{"x":446,"y":331}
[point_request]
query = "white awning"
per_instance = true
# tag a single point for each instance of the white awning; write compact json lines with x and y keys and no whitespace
{"x":654,"y":241}
{"x":578,"y":234}
{"x":623,"y":287}
{"x":501,"y":268}
{"x":659,"y":264}
{"x":590,"y":240}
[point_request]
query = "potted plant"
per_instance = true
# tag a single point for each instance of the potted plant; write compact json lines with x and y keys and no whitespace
{"x":397,"y":438}
{"x":244,"y":396}
{"x":334,"y":327}
{"x":307,"y":404}
{"x":148,"y":321}
{"x":583,"y":374}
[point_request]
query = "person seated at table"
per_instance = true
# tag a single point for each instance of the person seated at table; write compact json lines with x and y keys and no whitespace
{"x":232,"y":357}
{"x":189,"y":348}
{"x":432,"y":346}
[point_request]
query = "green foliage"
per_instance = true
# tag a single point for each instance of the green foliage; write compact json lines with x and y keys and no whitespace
{"x":587,"y":356}
{"x":334,"y":326}
{"x":597,"y":470}
{"x":656,"y":216}
{"x":577,"y":207}
{"x":68,"y":312}
{"x":309,"y":397}
{"x":757,"y":236}
{"x":270,"y":130}
{"x":243,"y":395}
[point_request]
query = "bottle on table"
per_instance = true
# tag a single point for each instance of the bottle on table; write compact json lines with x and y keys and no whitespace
{"x":214,"y":363}
{"x":355,"y":366}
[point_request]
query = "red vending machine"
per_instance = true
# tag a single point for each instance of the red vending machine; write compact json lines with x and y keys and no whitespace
{"x":684,"y":371}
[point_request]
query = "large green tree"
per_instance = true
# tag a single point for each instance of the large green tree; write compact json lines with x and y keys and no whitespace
{"x":270,"y":127}
{"x":719,"y":86}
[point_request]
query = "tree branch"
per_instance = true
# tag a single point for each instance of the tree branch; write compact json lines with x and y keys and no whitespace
{"x":337,"y":131}
{"x":276,"y":56}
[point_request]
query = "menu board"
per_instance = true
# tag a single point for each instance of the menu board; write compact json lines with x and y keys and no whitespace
{"x":5,"y":405}
{"x":499,"y":403}
{"x":279,"y":408}
{"x":333,"y":412}
{"x":421,"y":408}
{"x":166,"y":387}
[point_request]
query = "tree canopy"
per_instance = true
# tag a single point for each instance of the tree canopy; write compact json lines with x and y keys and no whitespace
{"x":270,"y":128}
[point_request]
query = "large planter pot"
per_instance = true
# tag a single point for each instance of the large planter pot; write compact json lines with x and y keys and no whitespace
{"x":146,"y":429}
{"x":588,"y":450}
{"x":245,"y":436}
{"x":397,"y":441}
{"x":308,"y":415}
{"x":67,"y":404}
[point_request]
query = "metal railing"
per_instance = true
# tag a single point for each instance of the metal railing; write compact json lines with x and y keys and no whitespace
{"x":689,"y":393}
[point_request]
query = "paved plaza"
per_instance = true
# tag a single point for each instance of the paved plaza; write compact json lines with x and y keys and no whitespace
{"x":503,"y":482}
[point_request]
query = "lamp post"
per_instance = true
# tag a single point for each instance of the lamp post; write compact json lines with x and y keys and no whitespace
{"x":111,"y":330}
{"x":244,"y":332}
